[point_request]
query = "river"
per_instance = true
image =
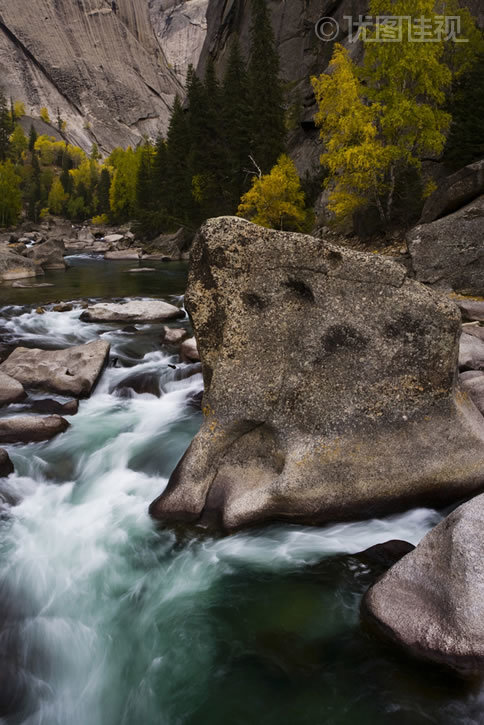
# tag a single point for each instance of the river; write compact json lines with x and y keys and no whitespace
{"x":108,"y":619}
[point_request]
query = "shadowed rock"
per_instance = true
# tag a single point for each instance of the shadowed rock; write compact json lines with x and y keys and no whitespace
{"x":14,"y":266}
{"x":330,"y":388}
{"x":73,"y":371}
{"x":432,"y":601}
{"x":6,"y":465}
{"x":50,"y":254}
{"x":30,"y":429}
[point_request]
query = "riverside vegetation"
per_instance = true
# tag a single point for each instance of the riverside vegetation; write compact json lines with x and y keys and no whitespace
{"x":224,"y":151}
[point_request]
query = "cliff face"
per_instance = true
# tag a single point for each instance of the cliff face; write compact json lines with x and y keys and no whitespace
{"x":98,"y":61}
{"x":181,"y":28}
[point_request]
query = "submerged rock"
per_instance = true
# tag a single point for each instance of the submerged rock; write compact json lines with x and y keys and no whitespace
{"x":128,"y":254}
{"x":432,"y":601}
{"x":30,"y":428}
{"x":330,"y":386}
{"x":11,"y":391}
{"x":73,"y":371}
{"x":6,"y":465}
{"x":144,"y":312}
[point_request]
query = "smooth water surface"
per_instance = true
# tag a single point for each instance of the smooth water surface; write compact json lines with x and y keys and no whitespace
{"x":109,"y":620}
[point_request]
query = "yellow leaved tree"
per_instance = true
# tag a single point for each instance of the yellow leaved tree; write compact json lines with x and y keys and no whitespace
{"x":276,"y":200}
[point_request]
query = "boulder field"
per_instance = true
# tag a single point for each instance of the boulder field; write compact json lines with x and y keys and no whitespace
{"x":330,"y":386}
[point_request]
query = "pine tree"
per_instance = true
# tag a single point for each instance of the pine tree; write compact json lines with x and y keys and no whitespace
{"x":32,"y":137}
{"x":236,"y":126}
{"x":179,"y":192}
{"x":34,"y":195}
{"x":465,"y":142}
{"x":5,"y":127}
{"x":144,"y":180}
{"x":65,"y":177}
{"x":265,"y":90}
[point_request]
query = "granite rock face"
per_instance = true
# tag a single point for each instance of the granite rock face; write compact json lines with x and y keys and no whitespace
{"x":14,"y":266}
{"x":449,"y":252}
{"x":432,"y":601}
{"x":330,"y":386}
{"x":143,"y":311}
{"x":99,"y":62}
{"x":73,"y":371}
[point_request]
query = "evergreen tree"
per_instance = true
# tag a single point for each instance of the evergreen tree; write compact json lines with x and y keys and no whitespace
{"x":179,"y":203}
{"x":65,"y":177}
{"x":34,"y":195}
{"x":265,"y":89}
{"x":32,"y":137}
{"x":5,"y":127}
{"x":144,"y":180}
{"x":466,"y":106}
{"x":160,"y":173}
{"x":236,"y":126}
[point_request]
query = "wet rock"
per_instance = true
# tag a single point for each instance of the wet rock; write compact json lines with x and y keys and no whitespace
{"x":195,"y":400}
{"x":449,"y":253}
{"x":14,"y":266}
{"x":142,"y":312}
{"x":6,"y":465}
{"x":63,"y":307}
{"x":173,"y":335}
{"x":454,"y":192}
{"x":136,"y":270}
{"x":124,"y":254}
{"x":183,"y":372}
{"x":50,"y":254}
{"x":330,"y":388}
{"x":431,"y":602}
{"x":25,"y":285}
{"x":387,"y":554}
{"x":140,"y":383}
{"x":73,"y":371}
{"x":50,"y":406}
{"x":471,"y":310}
{"x":30,"y":428}
{"x":189,"y":351}
{"x":11,"y":391}
{"x":471,"y":353}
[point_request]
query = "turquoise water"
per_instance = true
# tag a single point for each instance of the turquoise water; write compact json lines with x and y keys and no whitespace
{"x":110,"y":620}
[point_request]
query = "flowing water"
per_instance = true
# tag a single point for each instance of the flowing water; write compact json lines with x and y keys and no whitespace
{"x":107,"y":619}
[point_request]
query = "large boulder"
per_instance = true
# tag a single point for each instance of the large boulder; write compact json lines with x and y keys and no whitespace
{"x":49,"y":255}
{"x":14,"y":266}
{"x":73,"y":371}
{"x":454,"y":192}
{"x":471,"y":353}
{"x":330,"y":386}
{"x":189,"y":351}
{"x":432,"y":601}
{"x":169,"y":246}
{"x":449,"y":252}
{"x":11,"y":391}
{"x":31,"y":428}
{"x":145,"y":311}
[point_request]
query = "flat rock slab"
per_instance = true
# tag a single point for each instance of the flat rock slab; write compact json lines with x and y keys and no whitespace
{"x":330,"y":388}
{"x":142,"y":312}
{"x":31,"y":429}
{"x":124,"y":254}
{"x":73,"y":371}
{"x":11,"y":391}
{"x":137,"y":270}
{"x":432,"y":601}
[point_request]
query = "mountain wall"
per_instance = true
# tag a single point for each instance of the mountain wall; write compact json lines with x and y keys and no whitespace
{"x":98,"y":61}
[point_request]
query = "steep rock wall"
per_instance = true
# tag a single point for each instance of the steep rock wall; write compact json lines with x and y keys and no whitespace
{"x":98,"y":61}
